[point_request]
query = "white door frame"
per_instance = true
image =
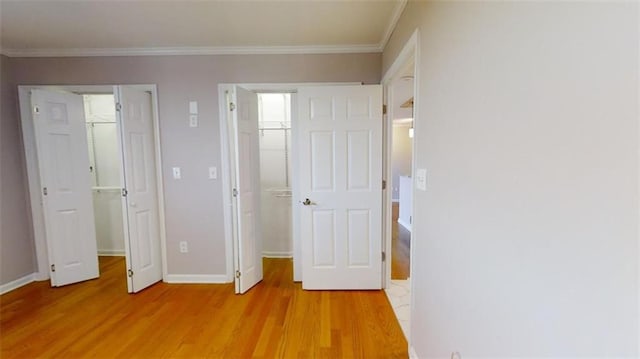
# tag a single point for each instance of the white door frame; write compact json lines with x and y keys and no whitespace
{"x":33,"y":173}
{"x":409,"y":51}
{"x":223,"y":90}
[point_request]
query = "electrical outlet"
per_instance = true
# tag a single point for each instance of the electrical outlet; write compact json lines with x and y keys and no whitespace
{"x":213,"y":173}
{"x":184,"y":248}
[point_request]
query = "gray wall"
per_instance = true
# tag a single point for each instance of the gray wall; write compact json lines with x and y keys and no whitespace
{"x":526,"y":239}
{"x":194,"y":203}
{"x":17,"y":254}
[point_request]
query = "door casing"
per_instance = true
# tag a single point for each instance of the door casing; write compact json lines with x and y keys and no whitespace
{"x":33,"y":176}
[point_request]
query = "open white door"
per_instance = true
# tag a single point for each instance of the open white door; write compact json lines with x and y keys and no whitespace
{"x":140,"y":198}
{"x":63,"y":160}
{"x":340,"y":161}
{"x":246,"y":183}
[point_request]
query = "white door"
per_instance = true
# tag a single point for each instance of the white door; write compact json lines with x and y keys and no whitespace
{"x":63,"y":160}
{"x":140,"y":204}
{"x":340,"y":161}
{"x":246,"y":181}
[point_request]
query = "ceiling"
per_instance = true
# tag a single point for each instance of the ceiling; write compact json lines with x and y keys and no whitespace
{"x":100,"y":27}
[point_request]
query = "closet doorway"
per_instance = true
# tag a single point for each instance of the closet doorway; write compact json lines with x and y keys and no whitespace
{"x":94,"y":180}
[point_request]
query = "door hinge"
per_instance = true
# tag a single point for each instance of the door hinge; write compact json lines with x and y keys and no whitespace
{"x":384,"y":184}
{"x":232,"y":106}
{"x":384,"y":256}
{"x":45,"y":191}
{"x":118,"y":106}
{"x":238,"y":274}
{"x":124,"y":192}
{"x":129,"y":273}
{"x":235,"y":192}
{"x":384,"y":109}
{"x":53,"y":267}
{"x":410,"y":219}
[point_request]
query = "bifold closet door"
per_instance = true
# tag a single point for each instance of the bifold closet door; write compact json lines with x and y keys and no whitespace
{"x":140,"y":200}
{"x":63,"y":160}
{"x":246,"y":151}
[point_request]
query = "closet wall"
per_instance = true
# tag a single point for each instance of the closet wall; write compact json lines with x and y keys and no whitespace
{"x":106,"y":170}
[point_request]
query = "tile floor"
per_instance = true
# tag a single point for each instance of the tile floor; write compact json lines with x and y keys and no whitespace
{"x":399,"y":294}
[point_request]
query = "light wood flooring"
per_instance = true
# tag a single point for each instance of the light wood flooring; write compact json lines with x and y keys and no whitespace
{"x":400,"y":247}
{"x":276,"y":319}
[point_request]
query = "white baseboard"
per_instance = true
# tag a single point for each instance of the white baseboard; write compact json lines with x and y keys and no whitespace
{"x":412,"y":353}
{"x":15,"y":284}
{"x":197,"y":278}
{"x":270,"y":254}
{"x":111,"y":253}
{"x":406,"y":225}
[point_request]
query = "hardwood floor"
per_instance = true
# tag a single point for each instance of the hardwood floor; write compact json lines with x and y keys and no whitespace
{"x":276,"y":319}
{"x":400,"y":247}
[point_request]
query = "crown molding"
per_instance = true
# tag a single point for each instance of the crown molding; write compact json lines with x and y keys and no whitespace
{"x":395,"y":17}
{"x":217,"y":50}
{"x":171,"y":51}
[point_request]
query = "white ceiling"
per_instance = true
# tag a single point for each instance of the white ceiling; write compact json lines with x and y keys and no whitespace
{"x":98,"y":27}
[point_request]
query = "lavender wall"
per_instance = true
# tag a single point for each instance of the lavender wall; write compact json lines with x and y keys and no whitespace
{"x":17,"y":256}
{"x":194,"y":203}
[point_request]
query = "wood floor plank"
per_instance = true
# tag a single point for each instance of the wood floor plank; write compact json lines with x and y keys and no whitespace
{"x":276,"y":319}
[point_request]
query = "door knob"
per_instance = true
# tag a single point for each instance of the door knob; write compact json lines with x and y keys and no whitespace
{"x":306,"y":202}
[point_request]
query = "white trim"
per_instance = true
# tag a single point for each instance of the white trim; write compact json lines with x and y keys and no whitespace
{"x":111,"y":252}
{"x":288,"y":87}
{"x":15,"y":284}
{"x":412,"y":353}
{"x":406,"y":225}
{"x":276,"y":254}
{"x":409,"y":50}
{"x":638,"y":194}
{"x":209,"y":50}
{"x":395,"y":17}
{"x":197,"y":278}
{"x":225,"y":169}
{"x":395,"y":200}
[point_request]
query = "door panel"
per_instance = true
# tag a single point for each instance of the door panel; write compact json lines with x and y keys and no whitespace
{"x":140,"y":206}
{"x":63,"y":160}
{"x":341,"y":173}
{"x":245,"y":142}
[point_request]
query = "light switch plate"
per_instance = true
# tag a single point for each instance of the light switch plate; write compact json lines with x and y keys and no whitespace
{"x":213,"y":173}
{"x":176,"y":173}
{"x":193,"y":120}
{"x":421,"y":179}
{"x":193,"y":107}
